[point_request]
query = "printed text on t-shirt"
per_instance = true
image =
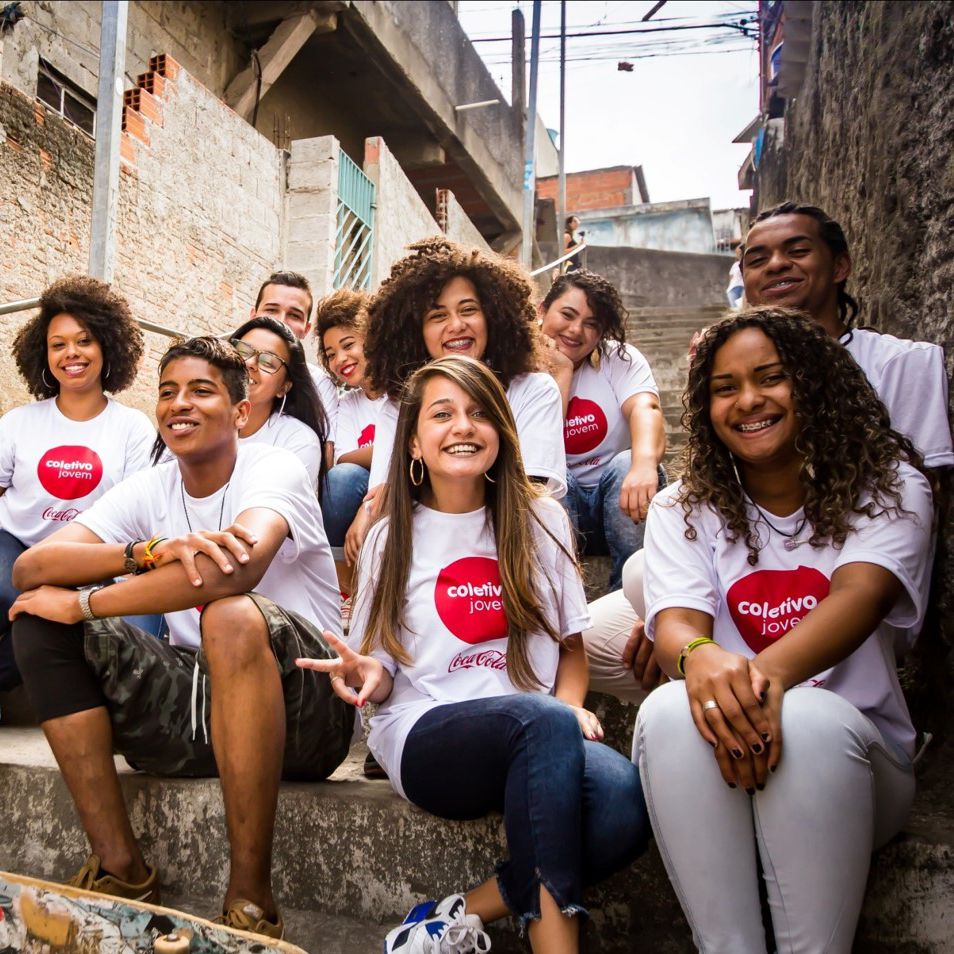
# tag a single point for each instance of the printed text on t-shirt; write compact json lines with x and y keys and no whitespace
{"x":585,"y":426}
{"x":70,"y":471}
{"x":468,"y":597}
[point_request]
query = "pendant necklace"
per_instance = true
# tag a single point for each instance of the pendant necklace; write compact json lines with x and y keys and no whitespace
{"x":791,"y":539}
{"x":185,"y":509}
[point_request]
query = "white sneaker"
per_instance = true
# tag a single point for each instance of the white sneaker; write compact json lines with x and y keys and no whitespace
{"x":439,"y":928}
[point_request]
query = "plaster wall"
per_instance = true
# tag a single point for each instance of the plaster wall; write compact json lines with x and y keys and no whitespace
{"x":401,"y":217}
{"x":459,"y":228}
{"x":672,"y":226}
{"x":67,"y":35}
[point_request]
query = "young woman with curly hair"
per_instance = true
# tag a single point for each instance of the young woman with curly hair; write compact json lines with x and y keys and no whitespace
{"x":775,"y":571}
{"x":466,"y":634}
{"x":62,"y":452}
{"x":614,"y":434}
{"x":444,"y":299}
{"x":340,"y":327}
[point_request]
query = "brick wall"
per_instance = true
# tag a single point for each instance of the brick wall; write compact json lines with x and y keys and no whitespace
{"x":199,"y":222}
{"x":595,"y":189}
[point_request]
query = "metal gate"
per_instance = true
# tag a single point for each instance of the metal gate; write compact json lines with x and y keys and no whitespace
{"x":355,"y":226}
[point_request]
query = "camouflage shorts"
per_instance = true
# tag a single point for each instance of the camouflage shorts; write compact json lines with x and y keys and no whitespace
{"x":159,"y":698}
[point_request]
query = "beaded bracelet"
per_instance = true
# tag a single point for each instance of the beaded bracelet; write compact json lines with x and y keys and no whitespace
{"x":148,"y":557}
{"x":688,"y":648}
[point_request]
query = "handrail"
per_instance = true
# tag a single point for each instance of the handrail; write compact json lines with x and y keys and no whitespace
{"x":27,"y":303}
{"x":559,"y":261}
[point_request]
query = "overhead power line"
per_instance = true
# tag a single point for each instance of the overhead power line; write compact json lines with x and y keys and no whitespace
{"x":741,"y":27}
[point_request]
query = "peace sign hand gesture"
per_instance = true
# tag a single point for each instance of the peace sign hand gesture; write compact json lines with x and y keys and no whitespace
{"x":355,"y":678}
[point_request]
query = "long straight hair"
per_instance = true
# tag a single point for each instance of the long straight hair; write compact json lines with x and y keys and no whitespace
{"x":509,"y":501}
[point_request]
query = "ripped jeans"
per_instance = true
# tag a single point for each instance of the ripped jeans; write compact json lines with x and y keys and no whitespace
{"x":573,"y":810}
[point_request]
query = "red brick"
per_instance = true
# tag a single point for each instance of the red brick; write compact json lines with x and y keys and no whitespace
{"x":135,"y":125}
{"x":127,"y":149}
{"x":46,"y":159}
{"x":165,"y":66}
{"x":39,"y":114}
{"x":152,"y":82}
{"x":143,"y":102}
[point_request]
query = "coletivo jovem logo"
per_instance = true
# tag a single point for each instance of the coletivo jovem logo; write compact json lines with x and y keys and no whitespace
{"x":468,"y":598}
{"x":366,"y":437}
{"x":767,"y":604}
{"x":585,"y":426}
{"x":70,"y":472}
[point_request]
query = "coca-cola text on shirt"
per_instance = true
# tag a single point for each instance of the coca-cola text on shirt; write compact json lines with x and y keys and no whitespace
{"x":488,"y":658}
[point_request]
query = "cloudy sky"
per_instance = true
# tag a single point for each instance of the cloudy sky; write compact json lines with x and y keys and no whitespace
{"x":690,"y":92}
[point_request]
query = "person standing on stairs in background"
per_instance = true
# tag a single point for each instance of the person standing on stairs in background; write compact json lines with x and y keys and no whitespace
{"x":614,"y":434}
{"x":65,"y":450}
{"x":287,"y":297}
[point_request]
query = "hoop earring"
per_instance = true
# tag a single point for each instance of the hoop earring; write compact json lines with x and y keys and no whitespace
{"x":281,"y":410}
{"x":106,"y":374}
{"x":809,"y":469}
{"x":488,"y":478}
{"x":735,"y":470}
{"x":420,"y":479}
{"x":49,"y":386}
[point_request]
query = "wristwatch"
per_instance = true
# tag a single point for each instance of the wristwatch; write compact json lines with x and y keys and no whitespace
{"x":129,"y":563}
{"x":84,"y":596}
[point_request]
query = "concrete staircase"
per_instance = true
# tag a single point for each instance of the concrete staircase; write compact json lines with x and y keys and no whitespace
{"x":663,"y":335}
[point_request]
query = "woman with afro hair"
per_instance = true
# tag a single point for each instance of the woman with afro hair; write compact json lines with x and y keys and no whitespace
{"x":444,"y":299}
{"x":66,"y":449}
{"x":776,"y":569}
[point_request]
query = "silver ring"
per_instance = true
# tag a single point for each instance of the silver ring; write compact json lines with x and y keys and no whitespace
{"x":337,"y":675}
{"x":710,"y":704}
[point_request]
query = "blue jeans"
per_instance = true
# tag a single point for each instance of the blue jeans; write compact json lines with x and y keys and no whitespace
{"x":595,"y":514}
{"x":345,"y":487}
{"x":10,"y":549}
{"x":573,"y":810}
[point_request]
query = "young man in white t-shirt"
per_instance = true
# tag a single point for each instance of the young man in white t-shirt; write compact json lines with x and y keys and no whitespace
{"x":223,"y":696}
{"x":797,"y":256}
{"x":287,"y":297}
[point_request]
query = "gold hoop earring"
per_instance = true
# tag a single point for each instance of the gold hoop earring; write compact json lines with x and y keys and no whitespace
{"x":420,"y":479}
{"x":488,"y":478}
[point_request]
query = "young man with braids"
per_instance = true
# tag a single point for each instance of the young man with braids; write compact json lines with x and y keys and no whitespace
{"x":225,"y":540}
{"x":797,"y":256}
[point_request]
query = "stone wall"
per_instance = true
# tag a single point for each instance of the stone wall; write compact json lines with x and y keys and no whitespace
{"x":400,"y":216}
{"x":869,"y":139}
{"x":199,"y":223}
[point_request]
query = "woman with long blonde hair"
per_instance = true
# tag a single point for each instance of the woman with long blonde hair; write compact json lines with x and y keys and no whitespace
{"x":466,"y":633}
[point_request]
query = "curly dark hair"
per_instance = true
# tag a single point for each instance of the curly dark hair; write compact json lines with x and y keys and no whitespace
{"x":832,"y":234}
{"x":604,"y":301}
{"x":394,"y":345}
{"x":103,"y":312}
{"x":846,"y":441}
{"x":344,"y":308}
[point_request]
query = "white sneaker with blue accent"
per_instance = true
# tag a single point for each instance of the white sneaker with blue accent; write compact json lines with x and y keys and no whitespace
{"x":439,"y":928}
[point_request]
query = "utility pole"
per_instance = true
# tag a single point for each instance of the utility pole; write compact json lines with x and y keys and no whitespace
{"x":518,"y":65}
{"x":561,"y":208}
{"x":529,"y":181}
{"x":109,"y":111}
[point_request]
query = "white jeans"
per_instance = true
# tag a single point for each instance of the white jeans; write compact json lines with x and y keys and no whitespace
{"x":839,"y":792}
{"x":613,"y":616}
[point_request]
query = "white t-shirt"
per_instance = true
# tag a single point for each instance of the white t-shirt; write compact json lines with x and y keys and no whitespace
{"x":357,"y":418}
{"x":538,"y":412}
{"x":454,"y":626}
{"x":54,"y":468}
{"x":282,"y":430}
{"x":595,"y":430}
{"x":910,"y":379}
{"x":328,"y":392}
{"x":752,"y":606}
{"x":301,"y":577}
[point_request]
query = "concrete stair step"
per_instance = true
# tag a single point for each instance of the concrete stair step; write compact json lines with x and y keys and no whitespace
{"x":351,"y":857}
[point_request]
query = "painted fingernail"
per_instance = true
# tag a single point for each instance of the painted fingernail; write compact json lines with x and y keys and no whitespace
{"x":736,"y":753}
{"x":761,"y":787}
{"x":731,"y":784}
{"x":757,"y":748}
{"x":766,"y":737}
{"x":772,"y":768}
{"x":750,"y":791}
{"x":762,"y":695}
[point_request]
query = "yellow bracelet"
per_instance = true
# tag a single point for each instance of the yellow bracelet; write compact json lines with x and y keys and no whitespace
{"x":688,"y":648}
{"x":148,"y":557}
